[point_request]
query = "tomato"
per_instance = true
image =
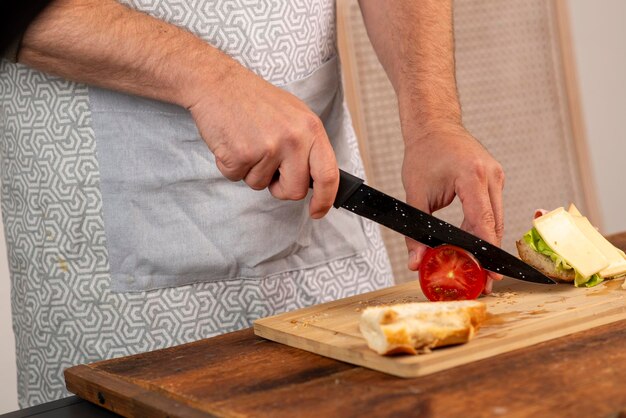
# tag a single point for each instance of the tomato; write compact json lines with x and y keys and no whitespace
{"x":448,"y":272}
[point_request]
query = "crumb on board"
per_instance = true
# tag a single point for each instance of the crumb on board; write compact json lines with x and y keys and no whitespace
{"x":308,"y":320}
{"x":505,"y":295}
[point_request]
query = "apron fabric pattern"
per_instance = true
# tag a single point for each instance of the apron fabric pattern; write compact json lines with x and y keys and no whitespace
{"x":64,"y":310}
{"x":280,"y":40}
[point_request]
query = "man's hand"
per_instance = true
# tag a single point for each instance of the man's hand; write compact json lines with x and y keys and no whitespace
{"x":415,"y":43}
{"x":448,"y":162}
{"x":256,"y":130}
{"x":253,"y":128}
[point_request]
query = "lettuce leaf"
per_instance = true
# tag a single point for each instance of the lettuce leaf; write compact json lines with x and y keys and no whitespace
{"x":587,"y":281}
{"x":537,"y":243}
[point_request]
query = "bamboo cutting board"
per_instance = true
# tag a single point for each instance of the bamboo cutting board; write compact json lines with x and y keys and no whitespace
{"x":520,"y":314}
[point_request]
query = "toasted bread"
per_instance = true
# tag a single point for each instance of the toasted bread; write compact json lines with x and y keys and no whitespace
{"x":543,"y":263}
{"x":413,"y":327}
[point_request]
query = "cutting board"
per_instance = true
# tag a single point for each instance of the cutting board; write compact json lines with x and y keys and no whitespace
{"x":520,"y":314}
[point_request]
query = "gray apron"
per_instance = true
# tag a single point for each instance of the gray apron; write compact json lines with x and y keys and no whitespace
{"x":87,"y":233}
{"x":172,"y":219}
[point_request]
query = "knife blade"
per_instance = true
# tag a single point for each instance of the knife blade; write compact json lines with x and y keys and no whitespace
{"x":373,"y":204}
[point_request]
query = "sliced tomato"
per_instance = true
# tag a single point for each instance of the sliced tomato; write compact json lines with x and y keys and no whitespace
{"x":451,"y":273}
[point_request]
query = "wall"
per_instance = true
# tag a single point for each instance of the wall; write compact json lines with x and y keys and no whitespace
{"x":599,"y":37}
{"x":8,"y":390}
{"x":599,"y":34}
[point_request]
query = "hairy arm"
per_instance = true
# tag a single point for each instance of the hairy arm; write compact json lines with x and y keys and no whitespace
{"x":414,"y":41}
{"x":253,"y":128}
{"x":107,"y":44}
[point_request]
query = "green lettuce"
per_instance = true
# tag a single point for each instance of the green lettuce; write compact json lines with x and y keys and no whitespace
{"x":537,"y":243}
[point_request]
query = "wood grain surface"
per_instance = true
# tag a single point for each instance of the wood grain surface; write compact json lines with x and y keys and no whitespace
{"x":239,"y":374}
{"x":242,"y":375}
{"x":520,"y":314}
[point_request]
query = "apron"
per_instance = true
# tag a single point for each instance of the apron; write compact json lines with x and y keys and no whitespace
{"x":172,"y":219}
{"x":123,"y":238}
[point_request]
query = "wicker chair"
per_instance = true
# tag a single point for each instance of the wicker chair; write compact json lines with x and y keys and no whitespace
{"x":517,"y":87}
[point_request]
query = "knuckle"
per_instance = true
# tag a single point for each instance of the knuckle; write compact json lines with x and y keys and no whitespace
{"x":228,"y":170}
{"x":499,"y":228}
{"x":479,"y":170}
{"x":245,"y":155}
{"x":256,"y":183}
{"x":499,"y":175}
{"x":270,"y":150}
{"x":313,"y":124}
{"x":487,"y":218}
{"x":293,"y":139}
{"x":232,"y":176}
{"x":289,"y":136}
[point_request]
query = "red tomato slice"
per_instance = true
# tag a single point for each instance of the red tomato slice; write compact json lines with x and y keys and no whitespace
{"x":448,"y":272}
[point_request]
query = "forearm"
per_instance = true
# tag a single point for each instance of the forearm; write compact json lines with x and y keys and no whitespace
{"x":414,"y":41}
{"x":253,"y":128}
{"x":103,"y":43}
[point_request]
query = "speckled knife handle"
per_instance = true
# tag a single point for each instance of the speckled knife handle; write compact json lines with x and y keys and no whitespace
{"x":348,"y":184}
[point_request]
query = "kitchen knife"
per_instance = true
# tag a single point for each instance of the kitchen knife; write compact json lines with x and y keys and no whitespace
{"x":370,"y":203}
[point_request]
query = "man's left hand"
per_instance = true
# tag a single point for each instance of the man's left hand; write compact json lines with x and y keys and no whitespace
{"x":446,"y":161}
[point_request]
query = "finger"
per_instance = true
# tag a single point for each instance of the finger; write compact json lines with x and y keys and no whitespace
{"x":416,"y":198}
{"x":494,"y":276}
{"x":488,"y":286}
{"x":416,"y":253}
{"x":262,"y":173}
{"x":293,"y":179}
{"x":325,"y":175}
{"x":479,"y":218}
{"x":234,"y":170}
{"x":496,"y":184}
{"x":478,"y":211}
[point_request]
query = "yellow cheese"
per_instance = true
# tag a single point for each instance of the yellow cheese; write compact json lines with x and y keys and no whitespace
{"x":561,"y":233}
{"x":574,"y":210}
{"x":617,"y":263}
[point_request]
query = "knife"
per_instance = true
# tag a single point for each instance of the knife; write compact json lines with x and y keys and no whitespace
{"x":373,"y":204}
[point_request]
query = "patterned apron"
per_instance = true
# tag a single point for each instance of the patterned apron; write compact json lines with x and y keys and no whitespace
{"x":122,"y":235}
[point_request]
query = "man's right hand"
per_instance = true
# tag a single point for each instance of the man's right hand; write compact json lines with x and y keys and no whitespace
{"x":253,"y":128}
{"x":256,"y":130}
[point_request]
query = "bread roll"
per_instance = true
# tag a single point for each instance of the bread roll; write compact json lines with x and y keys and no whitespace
{"x":413,"y":327}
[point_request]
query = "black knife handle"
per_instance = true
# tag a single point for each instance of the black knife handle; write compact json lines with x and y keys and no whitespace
{"x":348,"y":184}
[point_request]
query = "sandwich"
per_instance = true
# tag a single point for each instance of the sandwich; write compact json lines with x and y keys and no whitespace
{"x":420,"y":326}
{"x":565,"y":246}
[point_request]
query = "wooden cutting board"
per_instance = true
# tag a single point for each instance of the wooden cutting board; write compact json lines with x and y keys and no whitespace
{"x":520,"y":314}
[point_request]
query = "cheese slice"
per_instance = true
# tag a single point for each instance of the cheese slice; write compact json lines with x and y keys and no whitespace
{"x":561,"y":233}
{"x":573,"y":210}
{"x":617,"y":263}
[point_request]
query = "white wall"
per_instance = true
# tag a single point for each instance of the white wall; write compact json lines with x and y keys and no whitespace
{"x":599,"y":37}
{"x":8,"y":390}
{"x":599,"y":33}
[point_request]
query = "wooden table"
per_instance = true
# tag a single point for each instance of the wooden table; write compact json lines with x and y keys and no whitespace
{"x":581,"y":375}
